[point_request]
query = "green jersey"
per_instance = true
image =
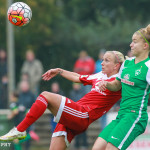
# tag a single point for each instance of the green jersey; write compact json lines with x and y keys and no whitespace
{"x":135,"y":81}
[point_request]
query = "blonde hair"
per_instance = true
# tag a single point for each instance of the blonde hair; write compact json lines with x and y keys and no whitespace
{"x":145,"y":34}
{"x":119,"y":57}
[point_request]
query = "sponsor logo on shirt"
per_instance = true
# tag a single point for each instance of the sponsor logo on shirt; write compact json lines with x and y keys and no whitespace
{"x":98,"y":90}
{"x":126,"y":80}
{"x":126,"y":76}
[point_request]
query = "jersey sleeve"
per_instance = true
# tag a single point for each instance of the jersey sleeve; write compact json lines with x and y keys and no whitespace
{"x":120,"y":71}
{"x":148,"y":76}
{"x":84,"y":79}
{"x":88,"y":79}
{"x":148,"y":72}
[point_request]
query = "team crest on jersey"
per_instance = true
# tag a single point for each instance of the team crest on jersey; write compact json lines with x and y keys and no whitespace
{"x":137,"y":72}
{"x":126,"y":76}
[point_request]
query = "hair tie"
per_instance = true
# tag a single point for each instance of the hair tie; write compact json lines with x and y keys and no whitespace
{"x":116,"y":56}
{"x":144,"y":38}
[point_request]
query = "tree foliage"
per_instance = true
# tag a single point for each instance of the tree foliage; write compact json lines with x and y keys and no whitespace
{"x":59,"y":29}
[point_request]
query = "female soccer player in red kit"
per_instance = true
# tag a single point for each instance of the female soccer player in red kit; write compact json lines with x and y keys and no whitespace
{"x":73,"y":117}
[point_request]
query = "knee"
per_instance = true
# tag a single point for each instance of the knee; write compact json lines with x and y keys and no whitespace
{"x":95,"y":148}
{"x":98,"y":147}
{"x":100,"y":144}
{"x":111,"y":147}
{"x":46,"y":94}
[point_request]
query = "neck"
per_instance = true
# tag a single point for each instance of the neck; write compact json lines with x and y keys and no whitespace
{"x":111,"y":74}
{"x":141,"y":58}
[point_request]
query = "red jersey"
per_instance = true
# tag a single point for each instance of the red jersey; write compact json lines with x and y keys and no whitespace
{"x":74,"y":117}
{"x":86,"y":66}
{"x":97,"y":101}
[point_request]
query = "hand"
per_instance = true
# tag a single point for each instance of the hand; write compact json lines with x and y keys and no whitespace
{"x":102,"y":85}
{"x":50,"y":74}
{"x":9,"y":116}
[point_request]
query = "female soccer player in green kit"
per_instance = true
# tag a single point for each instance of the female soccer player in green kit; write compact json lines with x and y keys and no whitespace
{"x":134,"y":79}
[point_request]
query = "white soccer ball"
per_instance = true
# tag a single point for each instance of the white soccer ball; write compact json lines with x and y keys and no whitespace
{"x":19,"y":14}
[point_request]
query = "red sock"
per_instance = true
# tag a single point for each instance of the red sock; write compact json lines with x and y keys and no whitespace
{"x":37,"y":109}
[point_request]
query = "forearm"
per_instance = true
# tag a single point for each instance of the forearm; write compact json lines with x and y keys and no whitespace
{"x":114,"y":85}
{"x":72,"y":76}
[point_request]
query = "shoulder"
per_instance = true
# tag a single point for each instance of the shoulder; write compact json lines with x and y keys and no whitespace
{"x":96,"y":76}
{"x":128,"y":61}
{"x":37,"y":61}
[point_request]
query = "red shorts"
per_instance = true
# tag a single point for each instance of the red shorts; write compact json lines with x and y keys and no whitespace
{"x":72,"y":119}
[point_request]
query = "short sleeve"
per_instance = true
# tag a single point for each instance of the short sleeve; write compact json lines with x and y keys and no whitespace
{"x":148,"y":72}
{"x":84,"y":79}
{"x":148,"y":76}
{"x":120,"y":71}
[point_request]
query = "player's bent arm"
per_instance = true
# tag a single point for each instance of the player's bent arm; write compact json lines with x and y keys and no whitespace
{"x":114,"y":85}
{"x":72,"y":76}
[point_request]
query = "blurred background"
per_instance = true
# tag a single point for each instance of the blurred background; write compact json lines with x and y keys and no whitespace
{"x":57,"y":35}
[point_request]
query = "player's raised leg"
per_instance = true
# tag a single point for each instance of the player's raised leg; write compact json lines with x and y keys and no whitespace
{"x":44,"y":100}
{"x":58,"y":143}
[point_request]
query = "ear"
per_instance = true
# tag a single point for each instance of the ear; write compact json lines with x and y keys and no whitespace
{"x":146,"y":46}
{"x":117,"y":66}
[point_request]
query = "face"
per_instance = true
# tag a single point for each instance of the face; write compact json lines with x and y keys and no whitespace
{"x":83,"y":55}
{"x":30,"y":56}
{"x":108,"y":64}
{"x":76,"y":86}
{"x":24,"y":86}
{"x":2,"y":54}
{"x":137,"y":45}
{"x":55,"y":87}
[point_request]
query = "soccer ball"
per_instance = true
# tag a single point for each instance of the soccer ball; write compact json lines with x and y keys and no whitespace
{"x":19,"y":14}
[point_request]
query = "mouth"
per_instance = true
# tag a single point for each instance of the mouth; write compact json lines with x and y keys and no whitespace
{"x":132,"y":50}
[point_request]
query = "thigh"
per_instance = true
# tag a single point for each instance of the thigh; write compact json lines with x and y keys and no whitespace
{"x":125,"y":132}
{"x":54,"y":101}
{"x":58,"y":143}
{"x":102,"y":140}
{"x":108,"y":129}
{"x":61,"y":130}
{"x":111,"y":147}
{"x":100,"y":144}
{"x":72,"y":115}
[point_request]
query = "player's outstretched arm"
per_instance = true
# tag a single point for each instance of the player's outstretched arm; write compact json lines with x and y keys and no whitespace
{"x":112,"y":86}
{"x":72,"y":76}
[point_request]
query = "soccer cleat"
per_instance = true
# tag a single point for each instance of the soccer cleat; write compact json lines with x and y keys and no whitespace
{"x":13,"y":134}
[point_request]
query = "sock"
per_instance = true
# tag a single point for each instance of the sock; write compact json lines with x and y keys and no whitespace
{"x":37,"y":109}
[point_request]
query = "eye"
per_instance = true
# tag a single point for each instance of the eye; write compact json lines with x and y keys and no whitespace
{"x":106,"y":60}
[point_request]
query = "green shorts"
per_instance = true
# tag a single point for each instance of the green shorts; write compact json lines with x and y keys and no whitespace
{"x":122,"y":131}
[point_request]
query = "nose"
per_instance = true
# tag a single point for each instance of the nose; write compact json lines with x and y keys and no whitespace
{"x":102,"y":63}
{"x":131,"y":44}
